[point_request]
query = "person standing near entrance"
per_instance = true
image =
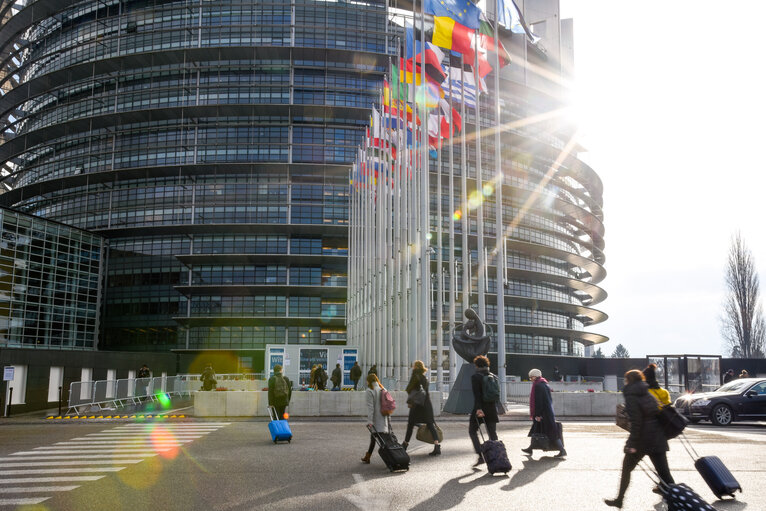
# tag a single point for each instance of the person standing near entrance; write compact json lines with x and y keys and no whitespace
{"x":356,"y":375}
{"x":280,"y":391}
{"x":142,"y":383}
{"x":320,"y":378}
{"x":208,"y":378}
{"x":483,"y":410}
{"x":337,"y":377}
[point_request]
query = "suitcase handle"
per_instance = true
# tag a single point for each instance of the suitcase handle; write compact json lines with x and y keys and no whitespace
{"x":481,"y":433}
{"x":273,"y":413}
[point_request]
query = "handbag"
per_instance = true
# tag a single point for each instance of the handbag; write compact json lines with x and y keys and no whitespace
{"x":424,"y":434}
{"x":538,"y":439}
{"x":671,"y":421}
{"x":417,"y":397}
{"x":621,"y":418}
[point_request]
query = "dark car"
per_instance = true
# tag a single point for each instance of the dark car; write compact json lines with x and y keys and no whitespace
{"x":743,"y":399}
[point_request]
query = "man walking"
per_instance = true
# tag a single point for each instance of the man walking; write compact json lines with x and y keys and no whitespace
{"x":142,"y":381}
{"x":486,"y":392}
{"x":337,"y":377}
{"x":280,"y":391}
{"x":356,"y":375}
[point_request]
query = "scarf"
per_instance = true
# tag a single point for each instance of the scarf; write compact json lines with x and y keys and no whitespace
{"x":532,"y":396}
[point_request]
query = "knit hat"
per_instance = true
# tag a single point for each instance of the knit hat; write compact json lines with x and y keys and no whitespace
{"x":535,"y":373}
{"x":650,"y":373}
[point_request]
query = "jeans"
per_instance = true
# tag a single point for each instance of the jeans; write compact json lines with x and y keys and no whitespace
{"x":659,"y":460}
{"x":473,"y":429}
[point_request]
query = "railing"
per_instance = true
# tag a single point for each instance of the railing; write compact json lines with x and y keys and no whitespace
{"x":108,"y":394}
{"x":521,"y":389}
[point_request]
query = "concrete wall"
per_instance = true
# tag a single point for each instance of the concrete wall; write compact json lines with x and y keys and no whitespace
{"x":586,"y":404}
{"x":302,"y":404}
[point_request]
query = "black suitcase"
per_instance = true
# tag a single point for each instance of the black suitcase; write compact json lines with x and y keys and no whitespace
{"x":717,"y":476}
{"x":494,"y":454}
{"x":390,"y":450}
{"x":713,"y":471}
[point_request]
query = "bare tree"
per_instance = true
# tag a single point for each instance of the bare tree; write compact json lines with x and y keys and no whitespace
{"x":742,"y":324}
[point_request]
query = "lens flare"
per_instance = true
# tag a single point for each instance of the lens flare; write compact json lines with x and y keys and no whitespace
{"x":457,"y":215}
{"x":144,"y":478}
{"x":162,"y":440}
{"x":475,"y":200}
{"x":286,"y":415}
{"x":164,"y":400}
{"x":429,"y":236}
{"x":487,"y":189}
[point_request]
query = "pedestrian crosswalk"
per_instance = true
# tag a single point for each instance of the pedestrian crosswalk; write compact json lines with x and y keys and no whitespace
{"x":34,"y":476}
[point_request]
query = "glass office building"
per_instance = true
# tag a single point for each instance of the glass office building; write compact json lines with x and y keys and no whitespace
{"x":49,"y":283}
{"x":210,"y":143}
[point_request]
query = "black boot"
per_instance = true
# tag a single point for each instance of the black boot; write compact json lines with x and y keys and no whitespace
{"x":404,"y":446}
{"x":480,"y":461}
{"x":437,"y":450}
{"x":614,"y":502}
{"x":528,"y":450}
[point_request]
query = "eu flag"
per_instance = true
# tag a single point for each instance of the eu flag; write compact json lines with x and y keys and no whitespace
{"x":464,"y":12}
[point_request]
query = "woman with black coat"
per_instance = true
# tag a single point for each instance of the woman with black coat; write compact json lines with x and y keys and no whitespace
{"x":420,"y":414}
{"x":483,"y":411}
{"x":646,"y":436}
{"x":541,"y":412}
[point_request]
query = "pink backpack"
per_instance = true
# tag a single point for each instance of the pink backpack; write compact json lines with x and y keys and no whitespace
{"x":387,"y":403}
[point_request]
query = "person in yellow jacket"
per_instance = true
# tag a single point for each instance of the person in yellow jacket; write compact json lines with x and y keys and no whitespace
{"x":661,"y":395}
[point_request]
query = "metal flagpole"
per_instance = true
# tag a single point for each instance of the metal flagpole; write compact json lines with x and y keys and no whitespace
{"x":481,"y":269}
{"x":425,"y":266}
{"x":499,"y":224}
{"x":452,"y":273}
{"x":439,"y":254}
{"x":464,"y":224}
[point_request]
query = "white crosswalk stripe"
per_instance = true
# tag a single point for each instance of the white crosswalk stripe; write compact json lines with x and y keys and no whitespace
{"x":89,"y":458}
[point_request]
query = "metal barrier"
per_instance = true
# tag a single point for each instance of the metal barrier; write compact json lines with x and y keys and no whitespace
{"x":111,"y":394}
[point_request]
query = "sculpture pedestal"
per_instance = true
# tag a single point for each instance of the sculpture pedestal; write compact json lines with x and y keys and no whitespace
{"x":460,"y":400}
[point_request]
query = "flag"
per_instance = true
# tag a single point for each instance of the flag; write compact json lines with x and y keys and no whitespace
{"x":487,"y":42}
{"x":461,"y":86}
{"x":415,"y":56}
{"x":463,"y":11}
{"x":510,"y":18}
{"x":461,"y":39}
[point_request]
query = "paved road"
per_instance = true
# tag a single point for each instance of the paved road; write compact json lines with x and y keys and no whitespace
{"x":232,"y":465}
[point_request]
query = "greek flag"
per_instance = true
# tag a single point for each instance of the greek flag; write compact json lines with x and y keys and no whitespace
{"x":457,"y":88}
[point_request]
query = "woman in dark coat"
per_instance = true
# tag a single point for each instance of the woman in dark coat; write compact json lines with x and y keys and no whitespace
{"x":541,"y":412}
{"x":646,"y":436}
{"x":483,"y":412}
{"x":421,"y":414}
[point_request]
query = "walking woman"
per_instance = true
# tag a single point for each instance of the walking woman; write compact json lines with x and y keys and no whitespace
{"x":374,"y":417}
{"x":541,"y":413}
{"x":483,"y":411}
{"x":661,"y":395}
{"x":646,"y":436}
{"x":421,"y":413}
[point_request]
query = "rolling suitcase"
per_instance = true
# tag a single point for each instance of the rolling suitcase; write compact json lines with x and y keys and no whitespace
{"x":494,"y":454}
{"x":717,"y":476}
{"x":678,"y":497}
{"x":390,"y":450}
{"x":713,"y":471}
{"x":279,"y":428}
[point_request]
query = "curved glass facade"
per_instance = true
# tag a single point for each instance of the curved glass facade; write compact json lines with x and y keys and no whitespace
{"x":210,"y":142}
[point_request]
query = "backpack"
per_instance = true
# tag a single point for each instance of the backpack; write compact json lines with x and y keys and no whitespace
{"x":387,"y":403}
{"x":280,"y":387}
{"x":490,"y":388}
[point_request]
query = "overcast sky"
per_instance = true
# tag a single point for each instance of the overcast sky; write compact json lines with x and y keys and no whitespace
{"x":671,"y":100}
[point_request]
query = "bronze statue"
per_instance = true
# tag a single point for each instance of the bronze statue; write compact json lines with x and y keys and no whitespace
{"x":471,"y":339}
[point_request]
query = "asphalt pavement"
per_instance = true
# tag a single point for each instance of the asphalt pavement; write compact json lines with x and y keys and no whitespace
{"x":196,"y":464}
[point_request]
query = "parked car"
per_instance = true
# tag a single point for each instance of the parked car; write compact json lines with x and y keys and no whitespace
{"x":743,"y":399}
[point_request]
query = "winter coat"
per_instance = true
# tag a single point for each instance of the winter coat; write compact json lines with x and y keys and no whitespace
{"x":646,"y":434}
{"x":279,"y":400}
{"x":320,"y":379}
{"x":543,"y":407}
{"x":489,"y":409}
{"x":356,"y":373}
{"x":336,"y":376}
{"x":420,"y":414}
{"x":374,"y":416}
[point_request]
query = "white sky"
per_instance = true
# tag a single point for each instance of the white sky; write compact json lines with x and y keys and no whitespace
{"x":671,"y":100}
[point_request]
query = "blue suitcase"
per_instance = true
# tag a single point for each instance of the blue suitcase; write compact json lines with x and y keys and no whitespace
{"x":717,"y":476}
{"x":279,"y":428}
